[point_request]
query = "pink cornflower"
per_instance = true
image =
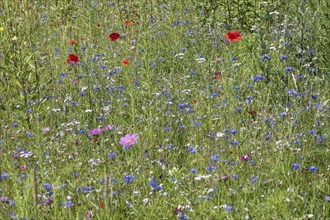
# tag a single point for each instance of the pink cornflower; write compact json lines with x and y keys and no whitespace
{"x":128,"y":140}
{"x":95,"y":131}
{"x":46,"y":130}
{"x":89,"y":214}
{"x":107,"y":128}
{"x":246,"y":157}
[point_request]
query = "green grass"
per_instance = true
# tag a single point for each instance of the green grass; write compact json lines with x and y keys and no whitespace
{"x":194,"y":128}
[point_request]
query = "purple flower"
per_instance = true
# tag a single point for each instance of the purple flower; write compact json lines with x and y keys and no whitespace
{"x":107,"y":128}
{"x":47,"y":201}
{"x":224,"y":176}
{"x":128,"y":140}
{"x":245,"y":157}
{"x":4,"y":198}
{"x":95,"y":131}
{"x":89,"y":214}
{"x":46,"y":130}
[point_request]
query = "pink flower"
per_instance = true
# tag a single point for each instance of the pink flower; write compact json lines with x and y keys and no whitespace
{"x":107,"y":128}
{"x":95,"y":131}
{"x":246,"y":157}
{"x":128,"y":140}
{"x":89,"y":214}
{"x":46,"y":130}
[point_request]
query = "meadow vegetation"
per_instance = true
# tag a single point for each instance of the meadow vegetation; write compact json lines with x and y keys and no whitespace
{"x":159,"y":109}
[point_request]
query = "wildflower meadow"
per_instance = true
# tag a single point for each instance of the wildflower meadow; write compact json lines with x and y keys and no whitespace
{"x":164,"y":109}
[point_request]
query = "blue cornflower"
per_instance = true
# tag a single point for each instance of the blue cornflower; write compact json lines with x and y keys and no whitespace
{"x":11,"y":202}
{"x":4,"y":176}
{"x":152,"y":64}
{"x":63,"y":74}
{"x":311,"y":132}
{"x":265,"y":57}
{"x":211,"y":168}
{"x":229,"y":208}
{"x":319,"y":139}
{"x":283,"y":57}
{"x":193,"y":170}
{"x":88,"y":189}
{"x":183,"y":217}
{"x":67,"y":203}
{"x":296,"y":166}
{"x":288,"y":68}
{"x":313,"y":169}
{"x":215,"y":157}
{"x":153,"y":183}
{"x":112,"y":155}
{"x":258,"y":78}
{"x":128,"y":178}
{"x":233,"y":131}
{"x":192,"y":150}
{"x":47,"y":186}
{"x":297,"y":141}
{"x":282,"y":114}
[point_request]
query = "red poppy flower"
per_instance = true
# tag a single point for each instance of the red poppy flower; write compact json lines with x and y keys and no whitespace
{"x":125,"y":61}
{"x":128,"y":22}
{"x":217,"y":75}
{"x":98,"y":25}
{"x":252,"y":112}
{"x":233,"y":36}
{"x":72,"y":58}
{"x":72,"y":41}
{"x":101,"y":205}
{"x":114,"y":36}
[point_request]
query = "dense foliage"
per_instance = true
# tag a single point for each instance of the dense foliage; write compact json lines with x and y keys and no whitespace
{"x":164,"y":109}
